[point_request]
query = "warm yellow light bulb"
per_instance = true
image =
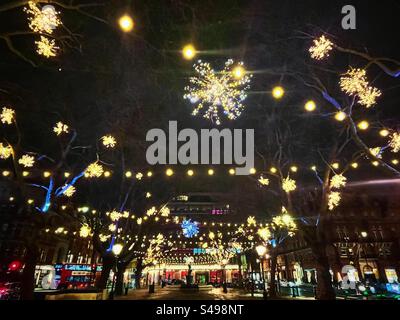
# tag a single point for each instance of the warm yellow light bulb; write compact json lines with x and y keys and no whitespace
{"x":210,"y":172}
{"x":107,"y":174}
{"x":46,"y":174}
{"x":384,"y":132}
{"x":128,"y":174}
{"x":363,"y":125}
{"x":238,"y":72}
{"x":310,"y":106}
{"x":314,"y":168}
{"x":25,"y":173}
{"x":375,"y":163}
{"x":253,"y":170}
{"x":189,"y":52}
{"x":278,"y":92}
{"x":293,"y":168}
{"x":340,"y":116}
{"x":395,"y":161}
{"x":354,"y":165}
{"x":273,"y":170}
{"x":231,"y":171}
{"x":335,"y":165}
{"x":169,"y":172}
{"x":190,"y":173}
{"x":66,"y":174}
{"x":149,"y":174}
{"x":126,"y":23}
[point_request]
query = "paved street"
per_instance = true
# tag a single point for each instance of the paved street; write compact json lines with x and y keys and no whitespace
{"x":174,"y":293}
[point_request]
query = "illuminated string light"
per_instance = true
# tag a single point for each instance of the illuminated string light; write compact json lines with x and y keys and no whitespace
{"x":278,"y":92}
{"x":288,"y":184}
{"x":310,"y":106}
{"x":232,"y":172}
{"x":169,"y":172}
{"x":46,"y":174}
{"x":190,"y":173}
{"x":363,"y":125}
{"x":333,"y":200}
{"x":43,"y":20}
{"x":340,"y":116}
{"x":69,"y":192}
{"x":210,"y":172}
{"x":354,"y":165}
{"x":94,"y":170}
{"x":338,"y":181}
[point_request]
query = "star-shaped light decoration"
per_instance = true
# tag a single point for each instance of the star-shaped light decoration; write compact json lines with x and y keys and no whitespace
{"x":84,"y":231}
{"x":7,"y":115}
{"x":70,"y":191}
{"x":189,"y":228}
{"x":263,"y":181}
{"x":94,"y":170}
{"x":321,"y":48}
{"x":27,"y":161}
{"x":46,"y":47}
{"x":5,"y":151}
{"x":288,"y":184}
{"x":109,"y":141}
{"x":338,"y":181}
{"x":333,"y":200}
{"x":60,"y":128}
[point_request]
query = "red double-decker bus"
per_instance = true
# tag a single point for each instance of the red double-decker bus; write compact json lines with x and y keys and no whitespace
{"x":76,"y":276}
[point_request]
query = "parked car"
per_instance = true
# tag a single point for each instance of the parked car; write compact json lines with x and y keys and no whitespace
{"x":10,"y":291}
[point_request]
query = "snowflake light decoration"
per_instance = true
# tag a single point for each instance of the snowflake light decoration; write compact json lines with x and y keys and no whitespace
{"x":7,"y":115}
{"x":109,"y":141}
{"x":333,"y":200}
{"x":43,"y":20}
{"x":263,"y":181}
{"x":103,"y":237}
{"x":189,"y":228}
{"x":152,"y":211}
{"x":60,"y":128}
{"x":164,"y":212}
{"x":211,"y":91}
{"x":5,"y":151}
{"x":115,"y":215}
{"x":288,"y":185}
{"x":46,"y":47}
{"x":70,"y":191}
{"x":321,"y":48}
{"x":394,"y":142}
{"x":251,"y":221}
{"x":27,"y":161}
{"x":377,"y":152}
{"x":354,"y":82}
{"x":264,"y":233}
{"x":85,"y":230}
{"x":338,"y":181}
{"x":94,"y":170}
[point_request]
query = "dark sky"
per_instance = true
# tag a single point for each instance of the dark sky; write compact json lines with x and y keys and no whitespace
{"x":128,"y":84}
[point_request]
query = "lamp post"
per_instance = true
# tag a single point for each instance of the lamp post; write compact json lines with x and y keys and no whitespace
{"x":261,"y":251}
{"x":116,"y":250}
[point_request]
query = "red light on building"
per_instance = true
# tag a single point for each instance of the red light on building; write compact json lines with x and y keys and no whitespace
{"x":15,"y":266}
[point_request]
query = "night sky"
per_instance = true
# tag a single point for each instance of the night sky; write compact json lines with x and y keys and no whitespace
{"x":127,"y":84}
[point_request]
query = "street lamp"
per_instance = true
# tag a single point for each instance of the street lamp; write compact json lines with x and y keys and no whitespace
{"x":261,"y":251}
{"x":116,"y":250}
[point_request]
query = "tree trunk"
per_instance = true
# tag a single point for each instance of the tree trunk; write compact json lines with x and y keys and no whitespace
{"x":28,"y":275}
{"x":272,"y":286}
{"x":108,"y":263}
{"x":325,"y":290}
{"x":119,"y":280}
{"x":138,"y":273}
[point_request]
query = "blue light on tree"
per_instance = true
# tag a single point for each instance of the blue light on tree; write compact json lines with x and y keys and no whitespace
{"x":189,"y":228}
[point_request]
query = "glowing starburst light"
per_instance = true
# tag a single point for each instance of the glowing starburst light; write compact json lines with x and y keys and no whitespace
{"x":338,"y":181}
{"x":94,"y":170}
{"x":394,"y":142}
{"x":189,"y":228}
{"x":5,"y":151}
{"x":43,"y":20}
{"x":27,"y":161}
{"x":213,"y":92}
{"x":69,"y":192}
{"x":46,"y":47}
{"x":333,"y":200}
{"x":109,"y":141}
{"x":60,"y":128}
{"x":288,"y":185}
